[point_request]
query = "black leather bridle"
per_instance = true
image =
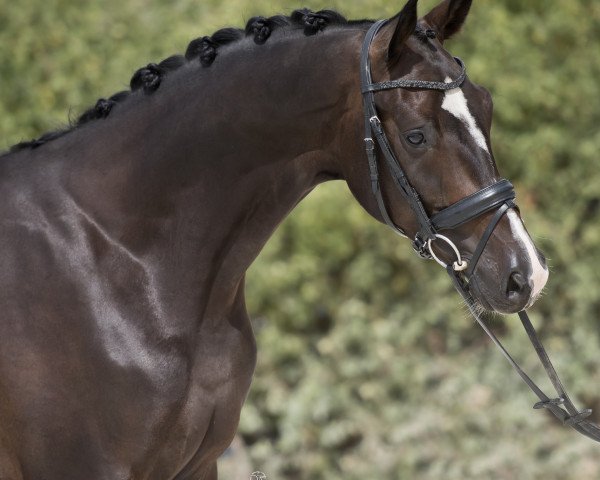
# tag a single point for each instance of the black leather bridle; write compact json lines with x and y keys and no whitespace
{"x":498,"y":196}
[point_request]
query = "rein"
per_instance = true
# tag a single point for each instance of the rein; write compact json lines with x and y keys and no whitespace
{"x":499,"y":196}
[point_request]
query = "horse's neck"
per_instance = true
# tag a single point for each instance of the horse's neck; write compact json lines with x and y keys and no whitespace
{"x":198,"y":175}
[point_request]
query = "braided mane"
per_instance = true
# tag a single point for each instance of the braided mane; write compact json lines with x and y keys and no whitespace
{"x":203,"y":50}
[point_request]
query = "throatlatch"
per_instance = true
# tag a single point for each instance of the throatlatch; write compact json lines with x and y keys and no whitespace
{"x":498,"y":196}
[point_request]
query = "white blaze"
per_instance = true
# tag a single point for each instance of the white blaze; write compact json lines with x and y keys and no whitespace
{"x":539,"y":273}
{"x":455,"y":103}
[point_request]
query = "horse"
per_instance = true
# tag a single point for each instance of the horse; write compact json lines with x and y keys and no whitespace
{"x":126,"y":351}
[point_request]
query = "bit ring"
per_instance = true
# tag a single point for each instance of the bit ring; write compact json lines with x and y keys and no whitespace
{"x":459,"y":265}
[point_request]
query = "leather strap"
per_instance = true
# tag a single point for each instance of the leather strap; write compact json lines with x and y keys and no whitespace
{"x":569,"y":415}
{"x":486,"y":236}
{"x":373,"y":128}
{"x":474,"y":205}
{"x":575,"y":418}
{"x":369,"y":112}
{"x":408,"y":192}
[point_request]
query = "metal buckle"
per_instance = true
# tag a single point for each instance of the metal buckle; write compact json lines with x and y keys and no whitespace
{"x":547,"y":403}
{"x":420,"y":247}
{"x":375,"y":123}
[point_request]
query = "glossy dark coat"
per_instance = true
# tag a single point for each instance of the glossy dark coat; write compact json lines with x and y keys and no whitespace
{"x":125,"y":348}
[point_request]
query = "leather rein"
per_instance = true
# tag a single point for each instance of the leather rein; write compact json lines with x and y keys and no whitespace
{"x":499,"y":196}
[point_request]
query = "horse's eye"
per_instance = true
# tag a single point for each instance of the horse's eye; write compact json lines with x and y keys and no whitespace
{"x":415,"y":138}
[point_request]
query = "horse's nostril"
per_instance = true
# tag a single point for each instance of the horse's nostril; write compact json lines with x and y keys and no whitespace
{"x":517,"y":285}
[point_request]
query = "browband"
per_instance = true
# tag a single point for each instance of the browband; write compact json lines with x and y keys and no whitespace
{"x":420,"y":84}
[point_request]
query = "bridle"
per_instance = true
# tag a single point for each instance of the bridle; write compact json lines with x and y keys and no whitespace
{"x":499,"y":196}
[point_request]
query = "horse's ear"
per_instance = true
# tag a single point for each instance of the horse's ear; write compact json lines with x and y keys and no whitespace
{"x":448,"y":17}
{"x":405,"y":24}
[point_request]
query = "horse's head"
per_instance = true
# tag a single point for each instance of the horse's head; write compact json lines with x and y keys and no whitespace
{"x":441,"y":139}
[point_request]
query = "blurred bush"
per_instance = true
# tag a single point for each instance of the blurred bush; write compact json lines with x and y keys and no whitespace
{"x":369,"y":366}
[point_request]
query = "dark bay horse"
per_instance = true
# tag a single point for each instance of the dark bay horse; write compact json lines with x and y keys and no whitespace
{"x":125,"y":348}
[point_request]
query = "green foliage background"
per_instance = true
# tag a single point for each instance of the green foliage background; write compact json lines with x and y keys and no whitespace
{"x":369,"y":367}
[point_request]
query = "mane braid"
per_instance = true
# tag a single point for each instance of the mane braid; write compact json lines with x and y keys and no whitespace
{"x":203,"y":50}
{"x":260,"y":27}
{"x":314,"y":22}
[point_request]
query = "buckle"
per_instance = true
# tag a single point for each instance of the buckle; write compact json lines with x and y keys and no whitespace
{"x":375,"y":123}
{"x":420,"y":247}
{"x":548,"y":403}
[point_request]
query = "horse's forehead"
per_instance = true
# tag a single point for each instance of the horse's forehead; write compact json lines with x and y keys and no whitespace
{"x":456,"y":104}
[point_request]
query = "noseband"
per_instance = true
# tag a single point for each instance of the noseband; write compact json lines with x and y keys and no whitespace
{"x":498,"y":196}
